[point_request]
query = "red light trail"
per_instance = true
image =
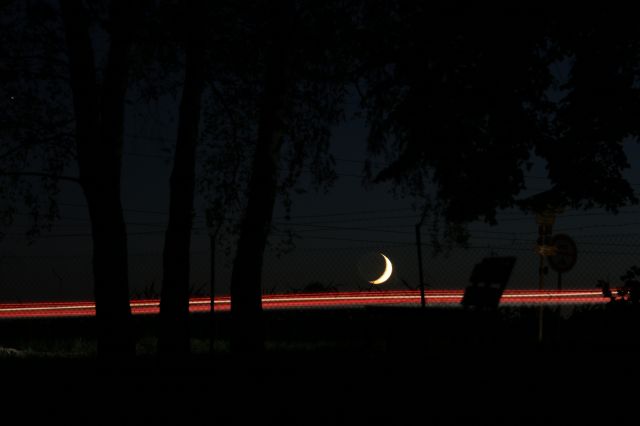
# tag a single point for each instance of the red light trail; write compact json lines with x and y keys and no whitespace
{"x":313,"y":300}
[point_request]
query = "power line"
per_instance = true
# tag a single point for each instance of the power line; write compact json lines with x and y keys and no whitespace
{"x":616,"y":235}
{"x":473,"y":231}
{"x":475,"y":247}
{"x":598,"y":226}
{"x":72,"y":218}
{"x":74,"y":235}
{"x":343,"y":228}
{"x":79,"y":255}
{"x":124,"y":209}
{"x":527,"y":240}
{"x":382,"y":229}
{"x":414,"y":216}
{"x":166,"y":157}
{"x":576,"y":215}
{"x":159,"y":156}
{"x":280,"y":233}
{"x":580,"y":242}
{"x":313,"y":237}
{"x":387,"y":245}
{"x":322,"y":224}
{"x":149,"y":138}
{"x":88,"y":220}
{"x":361,"y":219}
{"x":339,"y":159}
{"x":349,"y":213}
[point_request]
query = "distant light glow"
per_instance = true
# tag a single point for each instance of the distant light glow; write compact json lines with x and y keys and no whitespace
{"x":334,"y":300}
{"x":388,"y":270}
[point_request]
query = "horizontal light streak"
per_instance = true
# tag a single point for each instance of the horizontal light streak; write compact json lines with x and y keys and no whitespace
{"x":311,"y":300}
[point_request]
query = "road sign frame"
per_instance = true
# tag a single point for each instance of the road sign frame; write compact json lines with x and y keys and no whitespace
{"x":573,"y":257}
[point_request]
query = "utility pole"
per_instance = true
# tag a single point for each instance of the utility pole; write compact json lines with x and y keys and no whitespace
{"x":423,"y":301}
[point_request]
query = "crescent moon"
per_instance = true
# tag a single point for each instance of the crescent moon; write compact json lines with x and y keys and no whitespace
{"x":388,"y":269}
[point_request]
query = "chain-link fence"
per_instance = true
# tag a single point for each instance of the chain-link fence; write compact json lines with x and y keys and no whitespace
{"x":344,"y":269}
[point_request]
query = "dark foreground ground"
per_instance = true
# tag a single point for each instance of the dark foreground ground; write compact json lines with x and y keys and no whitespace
{"x":374,"y":366}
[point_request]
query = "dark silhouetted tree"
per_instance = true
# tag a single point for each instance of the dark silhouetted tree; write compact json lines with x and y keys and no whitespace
{"x":192,"y":47}
{"x":597,"y":112}
{"x":288,"y":83}
{"x":66,"y":109}
{"x":174,"y":305}
{"x":99,"y":120}
{"x":246,"y":289}
{"x":36,"y":133}
{"x":459,"y":109}
{"x":97,"y":97}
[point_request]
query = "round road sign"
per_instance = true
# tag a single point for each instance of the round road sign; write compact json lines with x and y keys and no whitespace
{"x":566,"y":254}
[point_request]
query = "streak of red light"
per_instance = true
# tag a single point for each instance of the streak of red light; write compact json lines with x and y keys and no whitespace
{"x":312,"y":300}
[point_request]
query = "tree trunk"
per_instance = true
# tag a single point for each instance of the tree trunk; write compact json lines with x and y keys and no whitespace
{"x":99,"y":115}
{"x":110,"y":270}
{"x":246,"y":276}
{"x":174,"y":304}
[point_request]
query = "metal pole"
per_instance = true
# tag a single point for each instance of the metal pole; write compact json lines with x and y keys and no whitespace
{"x":423,"y":301}
{"x":558,"y":310}
{"x":212,"y":279}
{"x":541,"y":308}
{"x":559,"y":280}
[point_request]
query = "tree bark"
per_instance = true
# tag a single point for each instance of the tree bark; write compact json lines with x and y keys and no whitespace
{"x":99,"y":115}
{"x":246,"y":277}
{"x":174,"y":304}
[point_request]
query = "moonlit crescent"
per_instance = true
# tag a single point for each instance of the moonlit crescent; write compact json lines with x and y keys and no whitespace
{"x":388,"y":269}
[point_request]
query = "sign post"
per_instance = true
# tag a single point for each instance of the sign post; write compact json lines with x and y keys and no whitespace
{"x":565,"y":257}
{"x":544,"y":248}
{"x":420,"y":273}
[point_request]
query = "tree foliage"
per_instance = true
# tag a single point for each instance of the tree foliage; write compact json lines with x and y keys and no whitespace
{"x":459,"y":103}
{"x":320,"y":73}
{"x":36,"y":131}
{"x":597,"y":114}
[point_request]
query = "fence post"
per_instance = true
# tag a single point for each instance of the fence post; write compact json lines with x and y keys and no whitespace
{"x":423,"y":301}
{"x":541,"y":307}
{"x":212,"y":266}
{"x":213,"y":227}
{"x":545,"y":220}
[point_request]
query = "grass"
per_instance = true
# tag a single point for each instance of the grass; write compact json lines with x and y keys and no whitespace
{"x":373,"y":330}
{"x":378,"y":365}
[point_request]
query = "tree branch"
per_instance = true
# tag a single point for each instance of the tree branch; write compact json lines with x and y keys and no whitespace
{"x":42,"y":174}
{"x":218,"y":94}
{"x":24,"y":145}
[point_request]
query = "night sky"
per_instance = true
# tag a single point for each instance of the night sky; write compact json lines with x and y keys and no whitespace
{"x":406,"y":94}
{"x":338,"y":233}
